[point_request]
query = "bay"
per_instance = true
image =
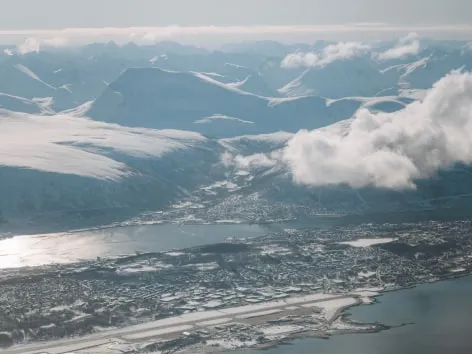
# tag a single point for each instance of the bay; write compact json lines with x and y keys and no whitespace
{"x":439,"y":316}
{"x":36,"y":250}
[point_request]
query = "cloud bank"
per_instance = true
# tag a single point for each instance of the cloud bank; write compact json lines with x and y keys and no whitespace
{"x":405,"y":47}
{"x":383,"y":150}
{"x":390,"y":150}
{"x":78,"y":146}
{"x":221,"y":34}
{"x":330,"y":54}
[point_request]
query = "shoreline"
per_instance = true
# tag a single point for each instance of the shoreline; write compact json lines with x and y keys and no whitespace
{"x":345,"y":318}
{"x":175,"y":326}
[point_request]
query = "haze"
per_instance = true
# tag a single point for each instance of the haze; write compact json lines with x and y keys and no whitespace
{"x":298,"y":20}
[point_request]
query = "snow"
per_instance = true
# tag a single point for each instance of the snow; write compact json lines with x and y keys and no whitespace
{"x":139,"y":268}
{"x":230,"y":344}
{"x":221,"y":184}
{"x":366,"y":274}
{"x":237,"y":66}
{"x":367,"y":242}
{"x":458,"y":270}
{"x":295,"y":88}
{"x":32,"y":75}
{"x":411,"y":67}
{"x":70,"y":348}
{"x":74,"y":145}
{"x":332,"y":307}
{"x":259,"y":314}
{"x":239,"y":84}
{"x":214,"y":322}
{"x":213,"y":74}
{"x":273,"y":249}
{"x":212,"y":304}
{"x":175,"y":254}
{"x":228,"y":87}
{"x":272,"y":331}
{"x":277,"y":137}
{"x":221,"y":117}
{"x":185,"y":205}
{"x":157,"y":332}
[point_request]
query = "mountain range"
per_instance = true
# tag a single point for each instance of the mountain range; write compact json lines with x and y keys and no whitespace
{"x":104,"y":133}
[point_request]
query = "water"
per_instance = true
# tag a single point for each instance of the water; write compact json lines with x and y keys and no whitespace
{"x":35,"y":250}
{"x":441,"y":314}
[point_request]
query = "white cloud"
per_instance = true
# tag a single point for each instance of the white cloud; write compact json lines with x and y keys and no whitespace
{"x":300,"y":60}
{"x":250,"y":162}
{"x":390,"y":150}
{"x":406,"y":46}
{"x":33,"y":45}
{"x":385,"y":150}
{"x":30,"y":45}
{"x":224,"y":33}
{"x":71,"y":145}
{"x":331,"y":53}
{"x":467,"y":47}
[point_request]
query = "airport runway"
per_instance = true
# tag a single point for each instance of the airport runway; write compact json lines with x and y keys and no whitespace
{"x":175,"y":327}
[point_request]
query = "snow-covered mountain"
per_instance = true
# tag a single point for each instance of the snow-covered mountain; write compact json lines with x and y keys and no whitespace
{"x":354,"y":77}
{"x":142,"y":128}
{"x":54,"y":166}
{"x":155,"y":98}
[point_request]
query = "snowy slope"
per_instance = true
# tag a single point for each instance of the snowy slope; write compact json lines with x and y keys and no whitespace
{"x":51,"y":165}
{"x":19,"y":104}
{"x":163,"y":99}
{"x":354,"y":77}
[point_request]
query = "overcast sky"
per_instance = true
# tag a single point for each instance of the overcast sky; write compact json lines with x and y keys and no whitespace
{"x":98,"y":13}
{"x":19,"y":15}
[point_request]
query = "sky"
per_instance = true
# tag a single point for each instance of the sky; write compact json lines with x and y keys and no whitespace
{"x":438,"y":16}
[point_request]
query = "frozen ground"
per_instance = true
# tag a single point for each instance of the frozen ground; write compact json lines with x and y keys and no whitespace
{"x":314,"y":312}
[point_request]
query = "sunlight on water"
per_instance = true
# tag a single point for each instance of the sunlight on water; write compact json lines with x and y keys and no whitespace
{"x":36,"y":250}
{"x":24,"y":251}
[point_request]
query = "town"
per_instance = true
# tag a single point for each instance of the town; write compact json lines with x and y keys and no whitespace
{"x":340,"y":266}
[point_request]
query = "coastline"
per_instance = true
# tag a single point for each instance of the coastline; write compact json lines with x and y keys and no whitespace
{"x":345,"y":318}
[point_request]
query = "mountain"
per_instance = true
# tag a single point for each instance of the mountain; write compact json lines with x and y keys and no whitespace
{"x":64,"y":170}
{"x":426,"y":68}
{"x":342,"y":78}
{"x":67,"y":79}
{"x":141,"y":128}
{"x":20,"y":104}
{"x":154,"y":98}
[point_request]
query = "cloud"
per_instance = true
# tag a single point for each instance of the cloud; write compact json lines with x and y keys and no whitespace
{"x":30,"y":45}
{"x":78,"y":146}
{"x":467,"y":47}
{"x":406,"y":46}
{"x":33,"y":45}
{"x":221,"y":34}
{"x":390,"y":150}
{"x":331,"y":53}
{"x":383,"y":150}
